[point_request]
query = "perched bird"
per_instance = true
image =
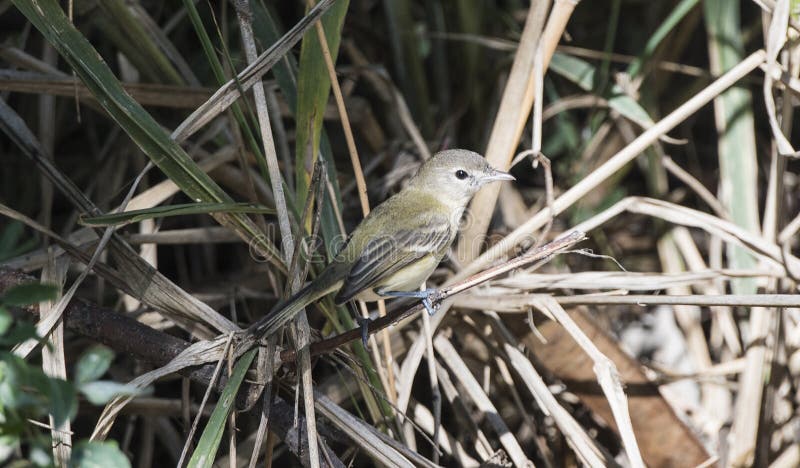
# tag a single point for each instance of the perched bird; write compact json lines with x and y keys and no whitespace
{"x":398,"y":245}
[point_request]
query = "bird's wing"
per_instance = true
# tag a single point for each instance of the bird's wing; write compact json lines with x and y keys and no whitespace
{"x":385,"y":256}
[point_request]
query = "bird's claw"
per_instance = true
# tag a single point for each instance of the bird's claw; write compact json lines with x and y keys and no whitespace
{"x":425,"y":295}
{"x":429,"y":307}
{"x":364,"y":324}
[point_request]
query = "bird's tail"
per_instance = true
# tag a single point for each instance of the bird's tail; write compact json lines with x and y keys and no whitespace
{"x":282,"y":313}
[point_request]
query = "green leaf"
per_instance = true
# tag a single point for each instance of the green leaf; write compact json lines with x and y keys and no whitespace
{"x":208,"y":444}
{"x":93,"y":364}
{"x":5,"y":320}
{"x":98,"y":455}
{"x":19,"y":333}
{"x":48,"y":17}
{"x":313,"y":89}
{"x":29,"y":293}
{"x":100,"y":392}
{"x":63,"y":400}
{"x":27,"y":388}
{"x":39,"y":456}
{"x":584,"y":74}
{"x":134,"y":216}
{"x":8,"y":445}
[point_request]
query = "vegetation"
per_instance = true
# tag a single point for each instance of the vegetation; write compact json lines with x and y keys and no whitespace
{"x":171,"y":170}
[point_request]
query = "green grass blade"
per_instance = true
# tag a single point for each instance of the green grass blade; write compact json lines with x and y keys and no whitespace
{"x":49,"y":19}
{"x":208,"y":444}
{"x":134,"y":216}
{"x":313,"y":88}
{"x":736,"y":142}
{"x":678,"y":13}
{"x":219,"y":75}
{"x":119,"y":25}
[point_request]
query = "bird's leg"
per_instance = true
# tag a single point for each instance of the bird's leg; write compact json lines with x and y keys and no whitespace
{"x":425,"y":295}
{"x":363,"y":322}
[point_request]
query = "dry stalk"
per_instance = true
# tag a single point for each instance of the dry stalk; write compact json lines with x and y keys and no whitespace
{"x":515,"y":106}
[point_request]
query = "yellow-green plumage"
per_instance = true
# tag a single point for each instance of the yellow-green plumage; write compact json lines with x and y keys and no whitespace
{"x":399,"y":244}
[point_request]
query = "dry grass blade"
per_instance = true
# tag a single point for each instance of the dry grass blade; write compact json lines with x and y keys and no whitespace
{"x":449,"y":444}
{"x":244,"y":14}
{"x":482,"y":401}
{"x":146,"y":94}
{"x":363,"y":435}
{"x":696,"y":263}
{"x":520,"y":303}
{"x":617,"y":280}
{"x":778,"y":29}
{"x":577,"y":437}
{"x":680,"y":215}
{"x":607,"y":377}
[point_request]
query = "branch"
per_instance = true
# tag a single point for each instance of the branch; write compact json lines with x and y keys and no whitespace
{"x":542,"y":253}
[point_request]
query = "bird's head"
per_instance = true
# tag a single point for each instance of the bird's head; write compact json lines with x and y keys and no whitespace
{"x":456,"y":175}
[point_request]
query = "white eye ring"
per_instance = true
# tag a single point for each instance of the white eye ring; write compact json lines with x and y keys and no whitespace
{"x":461,"y":174}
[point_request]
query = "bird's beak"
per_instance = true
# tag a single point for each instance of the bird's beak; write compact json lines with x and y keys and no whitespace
{"x":497,"y":175}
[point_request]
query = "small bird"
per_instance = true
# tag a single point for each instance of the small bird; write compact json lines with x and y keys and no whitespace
{"x":398,"y":245}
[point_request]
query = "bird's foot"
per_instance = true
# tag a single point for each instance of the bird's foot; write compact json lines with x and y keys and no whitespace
{"x":425,"y":295}
{"x":364,"y":324}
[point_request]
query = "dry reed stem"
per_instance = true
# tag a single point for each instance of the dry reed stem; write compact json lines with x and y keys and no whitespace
{"x":580,"y":441}
{"x":302,"y":334}
{"x":365,"y":436}
{"x":695,"y":263}
{"x":513,"y":113}
{"x":53,"y":357}
{"x":515,"y":105}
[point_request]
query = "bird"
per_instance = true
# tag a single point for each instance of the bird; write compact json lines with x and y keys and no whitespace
{"x":397,"y":246}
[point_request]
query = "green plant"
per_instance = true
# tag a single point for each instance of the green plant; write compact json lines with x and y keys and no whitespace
{"x":27,"y":394}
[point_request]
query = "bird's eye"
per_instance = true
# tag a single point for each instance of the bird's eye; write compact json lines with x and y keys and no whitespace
{"x":461,"y":174}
